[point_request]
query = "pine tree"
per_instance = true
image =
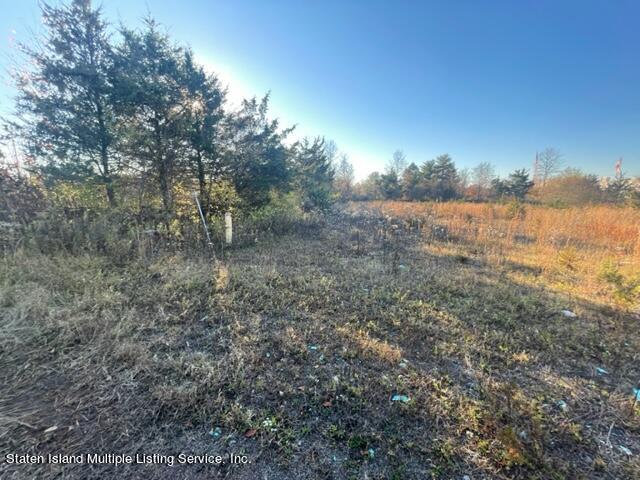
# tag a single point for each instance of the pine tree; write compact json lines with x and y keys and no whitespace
{"x":65,"y":102}
{"x":154,"y":101}
{"x":390,"y":185}
{"x":258,"y":159}
{"x":205,"y":128}
{"x":411,"y":182}
{"x":314,"y":174}
{"x":440,"y":178}
{"x":390,"y":179}
{"x":518,"y":184}
{"x":619,"y":189}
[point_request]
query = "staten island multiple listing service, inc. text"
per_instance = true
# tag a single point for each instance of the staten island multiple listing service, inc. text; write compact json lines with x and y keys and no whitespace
{"x":123,"y":459}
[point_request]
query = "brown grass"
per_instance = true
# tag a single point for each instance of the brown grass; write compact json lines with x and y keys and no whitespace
{"x":292,"y":352}
{"x":566,"y":249}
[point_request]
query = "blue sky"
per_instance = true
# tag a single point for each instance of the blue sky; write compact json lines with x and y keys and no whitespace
{"x":481,"y":80}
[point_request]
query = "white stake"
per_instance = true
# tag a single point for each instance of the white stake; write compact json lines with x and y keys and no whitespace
{"x":228,"y":228}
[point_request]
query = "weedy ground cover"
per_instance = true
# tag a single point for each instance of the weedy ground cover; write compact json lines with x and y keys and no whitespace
{"x":292,"y":352}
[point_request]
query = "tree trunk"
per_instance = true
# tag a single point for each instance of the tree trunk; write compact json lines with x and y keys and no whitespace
{"x":164,"y":185}
{"x":106,"y":177}
{"x":163,"y":169}
{"x":104,"y":159}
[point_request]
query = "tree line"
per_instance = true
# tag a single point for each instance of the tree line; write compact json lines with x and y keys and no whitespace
{"x":130,"y":110}
{"x":440,"y":180}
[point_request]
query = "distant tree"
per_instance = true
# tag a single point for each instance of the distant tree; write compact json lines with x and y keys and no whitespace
{"x":618,"y":190}
{"x":633,"y":198}
{"x":344,"y":177}
{"x":518,"y":184}
{"x":440,"y":178}
{"x":549,"y":164}
{"x":390,"y":179}
{"x":464,"y":177}
{"x":411,"y":188}
{"x":397,"y":163}
{"x":369,"y":188}
{"x":390,"y":185}
{"x":314,"y":173}
{"x":65,"y":100}
{"x":499,"y":188}
{"x":483,"y":175}
{"x":427,"y":179}
{"x":571,"y":187}
{"x":331,"y":150}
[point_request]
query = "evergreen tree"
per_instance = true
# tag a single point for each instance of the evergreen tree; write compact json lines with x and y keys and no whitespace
{"x":390,"y":185}
{"x":428,"y":180}
{"x":499,"y":188}
{"x":440,"y":178}
{"x":390,"y":179}
{"x":517,"y":185}
{"x":633,"y":198}
{"x":65,"y":102}
{"x":205,"y":128}
{"x":154,"y":102}
{"x":258,"y":159}
{"x":446,"y":177}
{"x":411,"y":177}
{"x":619,"y":189}
{"x":314,"y":174}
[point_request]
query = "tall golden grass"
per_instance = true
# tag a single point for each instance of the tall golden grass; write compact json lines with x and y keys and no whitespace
{"x":570,"y":246}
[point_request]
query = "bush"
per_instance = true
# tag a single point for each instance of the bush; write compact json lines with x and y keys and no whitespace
{"x":280,"y":215}
{"x":625,"y":290}
{"x":224,"y":198}
{"x":21,"y":197}
{"x":516,"y":210}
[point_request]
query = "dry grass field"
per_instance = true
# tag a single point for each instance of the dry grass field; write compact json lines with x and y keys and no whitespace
{"x":574,"y":250}
{"x":395,"y":341}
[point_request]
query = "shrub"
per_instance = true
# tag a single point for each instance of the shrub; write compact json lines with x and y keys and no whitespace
{"x":21,"y":197}
{"x":625,"y":290}
{"x":280,"y":215}
{"x":516,"y":210}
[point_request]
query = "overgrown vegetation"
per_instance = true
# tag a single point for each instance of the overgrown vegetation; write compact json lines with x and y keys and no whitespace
{"x":425,"y":338}
{"x":589,"y":252}
{"x":363,"y":348}
{"x":133,"y":117}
